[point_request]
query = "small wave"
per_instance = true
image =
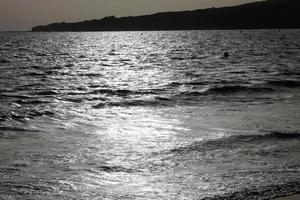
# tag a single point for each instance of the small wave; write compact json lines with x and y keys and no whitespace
{"x":178,"y":58}
{"x":12,"y":116}
{"x":234,"y":141}
{"x":25,"y":189}
{"x":90,"y":74}
{"x":26,"y":115}
{"x":192,"y":93}
{"x":237,"y":88}
{"x":15,"y":129}
{"x":31,"y":102}
{"x":15,"y":96}
{"x":157,"y":101}
{"x":112,"y":92}
{"x":121,"y":92}
{"x":41,"y":54}
{"x":76,"y":93}
{"x":34,"y":74}
{"x":25,"y":87}
{"x":197,"y":83}
{"x":127,"y":104}
{"x":69,"y":65}
{"x":283,"y":135}
{"x":40,"y":113}
{"x":285,"y":83}
{"x":194,"y":83}
{"x":47,"y":93}
{"x":73,"y":100}
{"x":124,"y":60}
{"x":238,"y":72}
{"x":82,"y":56}
{"x":3,"y":90}
{"x":163,"y":99}
{"x":225,"y":90}
{"x":110,"y":169}
{"x":8,"y":169}
{"x":23,"y":49}
{"x":3,"y":60}
{"x":265,"y":192}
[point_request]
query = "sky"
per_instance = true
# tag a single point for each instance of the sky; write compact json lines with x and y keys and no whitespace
{"x":18,"y":15}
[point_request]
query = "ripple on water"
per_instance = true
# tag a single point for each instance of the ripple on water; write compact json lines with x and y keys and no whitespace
{"x":144,"y":105}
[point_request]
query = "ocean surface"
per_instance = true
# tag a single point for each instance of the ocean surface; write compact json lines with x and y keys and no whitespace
{"x":150,"y":115}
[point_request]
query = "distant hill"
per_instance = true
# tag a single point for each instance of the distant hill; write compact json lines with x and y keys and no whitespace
{"x":269,"y":14}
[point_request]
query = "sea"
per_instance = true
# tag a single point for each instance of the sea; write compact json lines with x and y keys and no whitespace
{"x":159,"y":115}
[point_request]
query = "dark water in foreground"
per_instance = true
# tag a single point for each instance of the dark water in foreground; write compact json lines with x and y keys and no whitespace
{"x":158,"y":115}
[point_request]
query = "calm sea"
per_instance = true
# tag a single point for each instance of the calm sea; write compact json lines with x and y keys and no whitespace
{"x":150,"y":115}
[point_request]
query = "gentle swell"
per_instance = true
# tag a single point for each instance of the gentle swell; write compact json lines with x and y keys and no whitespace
{"x":3,"y":60}
{"x":25,"y":115}
{"x":236,"y":141}
{"x":285,"y":83}
{"x":237,"y":88}
{"x":46,"y":93}
{"x":110,"y":169}
{"x":158,"y":101}
{"x":121,"y":92}
{"x":226,"y":90}
{"x":267,"y":192}
{"x":180,"y":97}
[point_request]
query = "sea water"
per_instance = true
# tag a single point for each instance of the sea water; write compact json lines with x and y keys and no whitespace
{"x":150,"y":115}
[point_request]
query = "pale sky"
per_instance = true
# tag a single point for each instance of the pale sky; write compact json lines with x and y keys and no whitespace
{"x":24,"y":14}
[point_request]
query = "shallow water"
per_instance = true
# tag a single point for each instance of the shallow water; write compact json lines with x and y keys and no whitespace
{"x":153,"y":115}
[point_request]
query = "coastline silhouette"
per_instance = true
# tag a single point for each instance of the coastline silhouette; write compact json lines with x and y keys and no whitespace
{"x":269,"y":14}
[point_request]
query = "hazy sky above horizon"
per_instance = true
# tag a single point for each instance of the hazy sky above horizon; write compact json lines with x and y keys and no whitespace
{"x":24,"y":14}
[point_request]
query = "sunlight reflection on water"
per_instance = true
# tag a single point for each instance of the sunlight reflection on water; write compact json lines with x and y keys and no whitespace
{"x":155,"y":116}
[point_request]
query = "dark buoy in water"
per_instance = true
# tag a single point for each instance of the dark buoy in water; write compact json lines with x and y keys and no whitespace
{"x":226,"y":55}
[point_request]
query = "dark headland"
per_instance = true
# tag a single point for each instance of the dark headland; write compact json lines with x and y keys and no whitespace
{"x":269,"y":14}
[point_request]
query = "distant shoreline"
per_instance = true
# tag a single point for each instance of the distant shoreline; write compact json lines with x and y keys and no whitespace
{"x":276,"y":29}
{"x":269,"y":14}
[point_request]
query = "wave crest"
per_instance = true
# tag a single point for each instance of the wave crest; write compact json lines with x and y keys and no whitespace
{"x":235,"y":141}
